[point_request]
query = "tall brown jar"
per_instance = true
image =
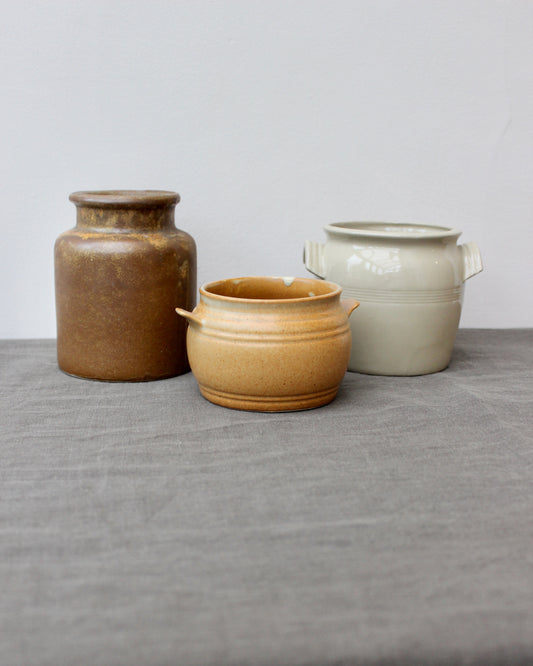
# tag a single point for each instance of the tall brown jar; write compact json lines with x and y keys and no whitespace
{"x":119,"y":274}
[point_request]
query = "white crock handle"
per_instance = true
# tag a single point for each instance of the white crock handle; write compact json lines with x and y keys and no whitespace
{"x":314,"y":258}
{"x":472,"y":263}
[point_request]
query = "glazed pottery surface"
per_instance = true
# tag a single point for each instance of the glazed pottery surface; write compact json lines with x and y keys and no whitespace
{"x":119,"y":275}
{"x":269,"y":344}
{"x":410,"y":281}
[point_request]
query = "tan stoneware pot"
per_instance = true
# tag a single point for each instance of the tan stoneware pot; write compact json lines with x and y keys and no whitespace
{"x":119,"y":275}
{"x":269,"y":344}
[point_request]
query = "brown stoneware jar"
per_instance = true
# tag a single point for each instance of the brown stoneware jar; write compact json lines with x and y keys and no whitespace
{"x":269,"y":344}
{"x":119,"y":275}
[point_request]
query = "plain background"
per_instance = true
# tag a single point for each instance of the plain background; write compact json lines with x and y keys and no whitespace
{"x":271,"y":119}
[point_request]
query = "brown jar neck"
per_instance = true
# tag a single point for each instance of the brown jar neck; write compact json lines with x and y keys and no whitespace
{"x":147,"y":210}
{"x":139,"y":219}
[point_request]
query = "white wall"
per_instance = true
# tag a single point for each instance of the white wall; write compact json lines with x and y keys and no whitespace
{"x":270,"y":119}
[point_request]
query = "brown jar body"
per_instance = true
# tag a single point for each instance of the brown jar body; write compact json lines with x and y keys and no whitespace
{"x":119,"y":275}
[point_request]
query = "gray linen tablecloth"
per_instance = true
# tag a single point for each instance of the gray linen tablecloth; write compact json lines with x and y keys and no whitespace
{"x":140,"y":524}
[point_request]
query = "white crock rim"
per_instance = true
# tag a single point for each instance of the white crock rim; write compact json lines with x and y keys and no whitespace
{"x":436,"y":231}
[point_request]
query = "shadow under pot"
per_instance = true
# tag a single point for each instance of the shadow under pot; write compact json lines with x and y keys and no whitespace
{"x":269,"y":344}
{"x":119,"y":275}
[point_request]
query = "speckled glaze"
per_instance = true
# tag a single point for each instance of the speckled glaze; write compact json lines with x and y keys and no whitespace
{"x":119,"y":275}
{"x":410,"y":281}
{"x":269,"y":344}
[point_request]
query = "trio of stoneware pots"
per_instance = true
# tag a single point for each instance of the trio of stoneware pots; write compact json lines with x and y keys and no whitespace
{"x":254,"y":343}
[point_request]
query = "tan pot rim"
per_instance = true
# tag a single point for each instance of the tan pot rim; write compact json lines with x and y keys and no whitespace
{"x":317,"y":290}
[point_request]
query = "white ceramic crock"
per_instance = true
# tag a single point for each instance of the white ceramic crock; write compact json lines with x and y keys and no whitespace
{"x":409,"y":279}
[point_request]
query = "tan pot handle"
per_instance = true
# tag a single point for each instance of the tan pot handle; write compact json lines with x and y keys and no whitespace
{"x":349,"y":305}
{"x":190,"y":317}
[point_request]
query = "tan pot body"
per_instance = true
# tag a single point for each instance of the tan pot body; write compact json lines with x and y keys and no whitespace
{"x":410,"y":282}
{"x":269,"y":344}
{"x":119,"y":275}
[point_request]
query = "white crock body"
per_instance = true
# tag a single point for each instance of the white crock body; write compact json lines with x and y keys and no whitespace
{"x":409,"y":280}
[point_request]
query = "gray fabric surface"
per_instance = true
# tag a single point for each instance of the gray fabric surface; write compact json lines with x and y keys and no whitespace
{"x":140,"y":524}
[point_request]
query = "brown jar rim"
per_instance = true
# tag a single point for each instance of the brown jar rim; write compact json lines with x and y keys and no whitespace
{"x":124,"y":198}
